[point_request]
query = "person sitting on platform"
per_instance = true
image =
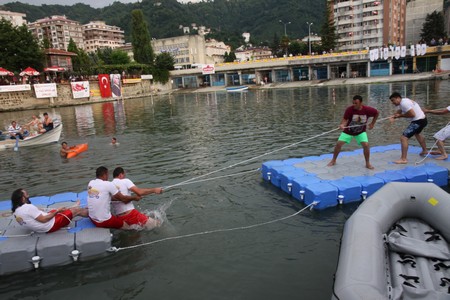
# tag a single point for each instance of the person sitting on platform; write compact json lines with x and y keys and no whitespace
{"x":47,"y":123}
{"x":15,"y":131}
{"x":31,"y":217}
{"x":126,"y":211}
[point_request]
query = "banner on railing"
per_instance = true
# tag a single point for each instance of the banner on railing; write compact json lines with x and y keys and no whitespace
{"x":397,"y":52}
{"x":45,"y":90}
{"x":15,"y":88}
{"x":80,"y":89}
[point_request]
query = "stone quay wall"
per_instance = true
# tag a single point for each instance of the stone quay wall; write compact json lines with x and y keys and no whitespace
{"x":10,"y":101}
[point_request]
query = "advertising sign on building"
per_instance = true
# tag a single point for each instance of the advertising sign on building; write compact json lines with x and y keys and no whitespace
{"x":80,"y":89}
{"x":208,"y":69}
{"x":45,"y":90}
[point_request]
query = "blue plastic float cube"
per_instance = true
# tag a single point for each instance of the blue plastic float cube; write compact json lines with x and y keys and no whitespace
{"x":299,"y":184}
{"x":324,"y":193}
{"x":265,"y":169}
{"x":438,"y":174}
{"x":276,"y":173}
{"x":369,"y":184}
{"x":287,"y":179}
{"x":391,"y":176}
{"x":414,"y":174}
{"x":349,"y":189}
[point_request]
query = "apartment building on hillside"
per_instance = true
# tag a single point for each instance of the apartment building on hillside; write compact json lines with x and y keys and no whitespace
{"x":58,"y":30}
{"x":362,"y":24}
{"x":98,"y":35}
{"x":16,"y":19}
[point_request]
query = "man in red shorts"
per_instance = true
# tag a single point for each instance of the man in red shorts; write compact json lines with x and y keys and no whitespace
{"x":126,"y":211}
{"x":31,"y":217}
{"x":101,"y":193}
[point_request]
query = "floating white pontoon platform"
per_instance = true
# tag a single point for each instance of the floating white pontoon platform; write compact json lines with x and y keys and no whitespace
{"x":22,"y":250}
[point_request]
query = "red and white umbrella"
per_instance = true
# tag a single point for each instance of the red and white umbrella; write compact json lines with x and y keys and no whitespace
{"x":54,"y":69}
{"x":4,"y":72}
{"x":30,"y":72}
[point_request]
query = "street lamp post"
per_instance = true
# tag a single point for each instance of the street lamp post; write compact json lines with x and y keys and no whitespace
{"x":309,"y":36}
{"x":284,"y":23}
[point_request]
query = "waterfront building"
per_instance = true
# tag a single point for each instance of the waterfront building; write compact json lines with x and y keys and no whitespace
{"x":16,"y":19}
{"x":252,"y":53}
{"x":98,"y":35}
{"x":58,"y":30}
{"x":369,"y":23}
{"x":59,"y":59}
{"x":416,"y":13}
{"x":187,"y":50}
{"x":215,"y":51}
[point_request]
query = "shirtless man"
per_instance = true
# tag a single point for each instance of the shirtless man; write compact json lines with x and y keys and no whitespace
{"x":65,"y":149}
{"x":47,"y":123}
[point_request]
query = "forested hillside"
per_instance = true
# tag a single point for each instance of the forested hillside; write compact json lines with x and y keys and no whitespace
{"x":228,"y":19}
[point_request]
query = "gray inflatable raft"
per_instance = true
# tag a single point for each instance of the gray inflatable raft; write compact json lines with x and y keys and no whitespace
{"x":395,"y":245}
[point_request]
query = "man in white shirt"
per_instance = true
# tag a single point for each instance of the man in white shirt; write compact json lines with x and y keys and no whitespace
{"x":100,"y":194}
{"x":408,"y":108}
{"x":442,"y":134}
{"x":15,"y":131}
{"x":31,"y":217}
{"x":127,"y":211}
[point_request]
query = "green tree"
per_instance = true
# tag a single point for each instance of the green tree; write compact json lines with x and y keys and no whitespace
{"x":19,"y":49}
{"x":164,"y":61}
{"x":119,"y":57}
{"x":284,"y":44}
{"x":81,"y":63}
{"x":104,"y":54}
{"x":140,"y":39}
{"x":297,"y":48}
{"x":229,"y":57}
{"x":433,"y":27}
{"x":275,"y":46}
{"x":328,"y":30}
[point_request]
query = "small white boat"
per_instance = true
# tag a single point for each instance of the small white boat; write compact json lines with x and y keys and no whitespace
{"x":237,"y":88}
{"x":395,"y":245}
{"x":48,"y":137}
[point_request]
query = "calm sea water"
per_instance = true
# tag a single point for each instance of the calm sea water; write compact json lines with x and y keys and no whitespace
{"x":168,"y":140}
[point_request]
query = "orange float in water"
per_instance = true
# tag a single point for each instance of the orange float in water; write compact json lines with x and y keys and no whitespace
{"x":77,"y":150}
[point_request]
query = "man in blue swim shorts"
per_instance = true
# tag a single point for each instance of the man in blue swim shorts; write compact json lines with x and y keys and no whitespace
{"x":354,"y":125}
{"x":409,"y":109}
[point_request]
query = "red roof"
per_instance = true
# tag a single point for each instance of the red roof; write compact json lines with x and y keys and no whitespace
{"x":53,"y":51}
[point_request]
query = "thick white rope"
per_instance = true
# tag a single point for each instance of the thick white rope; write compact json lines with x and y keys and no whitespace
{"x":114,"y":249}
{"x":194,"y":179}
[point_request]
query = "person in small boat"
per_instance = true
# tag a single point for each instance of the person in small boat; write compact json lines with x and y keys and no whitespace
{"x":100,"y":194}
{"x":407,"y":108}
{"x":15,"y":131}
{"x":31,"y":217}
{"x":34,"y":126}
{"x":65,"y":149}
{"x":126,"y":211}
{"x":442,"y":134}
{"x":47,"y":123}
{"x":354,"y":125}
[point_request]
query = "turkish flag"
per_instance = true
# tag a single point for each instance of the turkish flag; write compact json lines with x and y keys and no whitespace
{"x":105,"y":85}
